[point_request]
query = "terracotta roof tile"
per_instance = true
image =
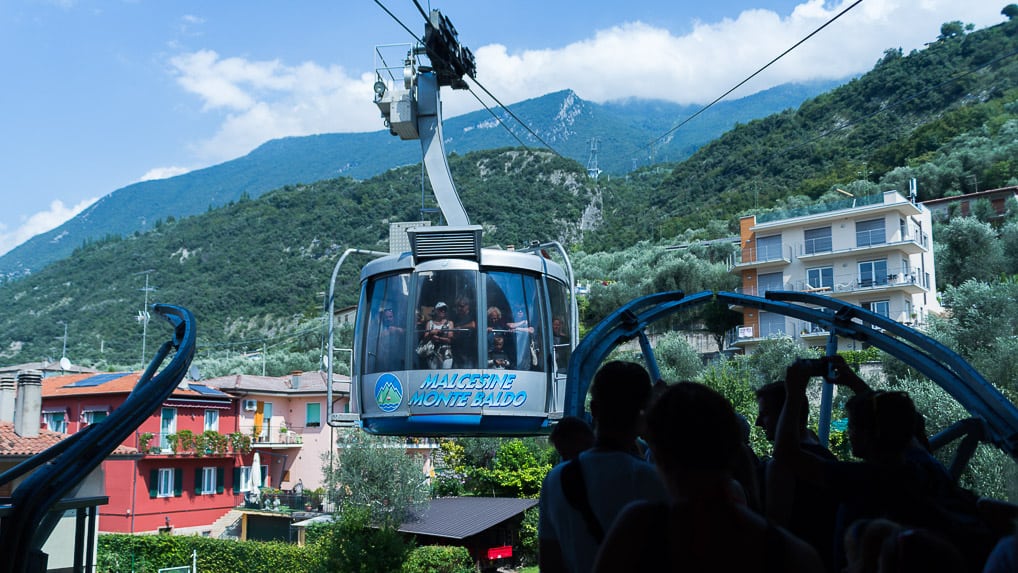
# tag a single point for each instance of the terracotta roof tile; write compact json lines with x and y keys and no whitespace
{"x":111,"y":383}
{"x":12,"y":445}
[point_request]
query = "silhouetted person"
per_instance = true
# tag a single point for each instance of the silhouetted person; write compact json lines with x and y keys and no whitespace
{"x":706,"y":526}
{"x":581,"y":498}
{"x":570,"y":436}
{"x":812,"y":512}
{"x":889,"y":482}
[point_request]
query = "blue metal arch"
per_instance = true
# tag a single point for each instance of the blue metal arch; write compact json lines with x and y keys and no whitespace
{"x":61,"y":467}
{"x":995,"y":418}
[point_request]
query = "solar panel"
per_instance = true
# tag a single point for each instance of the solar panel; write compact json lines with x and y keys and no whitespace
{"x":97,"y":380}
{"x":205,"y":390}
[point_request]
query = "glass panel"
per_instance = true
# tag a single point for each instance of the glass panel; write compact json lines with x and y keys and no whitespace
{"x":561,"y":325}
{"x":95,"y":416}
{"x":870,"y":233}
{"x":769,"y":281}
{"x":245,"y":478}
{"x":314,"y":415}
{"x":818,"y":240}
{"x":435,"y":328}
{"x":515,"y":313}
{"x":881,"y":307}
{"x":771,"y":324}
{"x":385,"y":337}
{"x":55,"y":422}
{"x":768,"y":248}
{"x":165,"y":488}
{"x":464,"y":343}
{"x":212,"y":420}
{"x":873,"y":273}
{"x":208,"y":482}
{"x":167,"y":426}
{"x":820,"y":278}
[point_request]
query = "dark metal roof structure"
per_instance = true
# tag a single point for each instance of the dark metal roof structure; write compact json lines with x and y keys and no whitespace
{"x":461,"y":517}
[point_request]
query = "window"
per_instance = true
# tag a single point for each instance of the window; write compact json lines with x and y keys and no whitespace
{"x":314,"y":414}
{"x":165,"y":487}
{"x":561,"y":329}
{"x":212,"y":420}
{"x":870,"y":233}
{"x":167,"y":426}
{"x":873,"y":273}
{"x":771,"y":324}
{"x":55,"y":421}
{"x":385,"y":334}
{"x":245,"y":479}
{"x":820,"y":278}
{"x":94,"y":416}
{"x":818,"y":241}
{"x":208,"y":481}
{"x":515,"y":317}
{"x":881,"y":307}
{"x":768,"y":248}
{"x":769,"y":281}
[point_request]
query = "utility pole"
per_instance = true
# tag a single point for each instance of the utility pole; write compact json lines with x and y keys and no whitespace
{"x":592,"y":169}
{"x":63,"y":353}
{"x":143,"y":315}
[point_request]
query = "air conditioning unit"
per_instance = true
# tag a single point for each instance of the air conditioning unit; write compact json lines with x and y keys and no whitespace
{"x":250,"y":405}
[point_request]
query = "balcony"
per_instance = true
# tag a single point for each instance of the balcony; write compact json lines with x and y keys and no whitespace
{"x":273,"y":436}
{"x":763,"y":258}
{"x":911,"y":283}
{"x":187,"y":443}
{"x":911,"y":245}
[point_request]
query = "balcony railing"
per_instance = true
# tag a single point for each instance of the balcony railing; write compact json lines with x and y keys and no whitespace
{"x":270,"y":434}
{"x":269,"y":499}
{"x":180,"y":443}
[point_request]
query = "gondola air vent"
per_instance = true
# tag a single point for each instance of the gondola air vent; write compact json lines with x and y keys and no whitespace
{"x":430,"y":243}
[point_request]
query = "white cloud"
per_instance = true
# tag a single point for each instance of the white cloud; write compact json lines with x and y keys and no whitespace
{"x":267,"y":99}
{"x":639,"y":60}
{"x":163,"y":173}
{"x":40,"y":222}
{"x":261,"y":100}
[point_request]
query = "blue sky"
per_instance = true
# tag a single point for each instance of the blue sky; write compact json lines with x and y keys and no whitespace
{"x":101,"y":94}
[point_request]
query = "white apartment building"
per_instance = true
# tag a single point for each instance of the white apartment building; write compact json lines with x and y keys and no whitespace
{"x":875,"y":252}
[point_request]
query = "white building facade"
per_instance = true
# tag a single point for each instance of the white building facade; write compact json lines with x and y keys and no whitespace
{"x":875,"y":252}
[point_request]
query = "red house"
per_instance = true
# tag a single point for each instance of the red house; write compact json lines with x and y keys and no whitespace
{"x":192,"y":468}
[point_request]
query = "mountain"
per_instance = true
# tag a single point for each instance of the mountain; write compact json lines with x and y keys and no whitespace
{"x":944,"y":115}
{"x":254,"y":271}
{"x":562,"y":119}
{"x":258,"y":266}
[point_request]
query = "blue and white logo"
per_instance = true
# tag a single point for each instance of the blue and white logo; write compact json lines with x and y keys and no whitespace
{"x":388,"y":392}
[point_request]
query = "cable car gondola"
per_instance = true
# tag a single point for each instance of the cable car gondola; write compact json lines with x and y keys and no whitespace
{"x":452,"y":338}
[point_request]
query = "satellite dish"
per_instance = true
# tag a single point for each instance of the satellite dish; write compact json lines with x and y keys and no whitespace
{"x":193,"y":373}
{"x":65,"y":364}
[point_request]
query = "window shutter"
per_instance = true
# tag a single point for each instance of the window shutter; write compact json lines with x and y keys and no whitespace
{"x":178,"y":482}
{"x":220,"y":479}
{"x":236,"y":480}
{"x":153,"y":483}
{"x":197,"y":481}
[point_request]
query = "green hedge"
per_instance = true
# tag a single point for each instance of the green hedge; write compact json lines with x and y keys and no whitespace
{"x":147,"y":553}
{"x":439,"y":559}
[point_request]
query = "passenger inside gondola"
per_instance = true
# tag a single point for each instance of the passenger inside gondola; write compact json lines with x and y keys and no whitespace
{"x":464,"y":342}
{"x":435,"y":346}
{"x":498,"y":358}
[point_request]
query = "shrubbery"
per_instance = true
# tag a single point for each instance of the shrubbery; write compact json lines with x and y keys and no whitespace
{"x":439,"y":559}
{"x":148,"y":553}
